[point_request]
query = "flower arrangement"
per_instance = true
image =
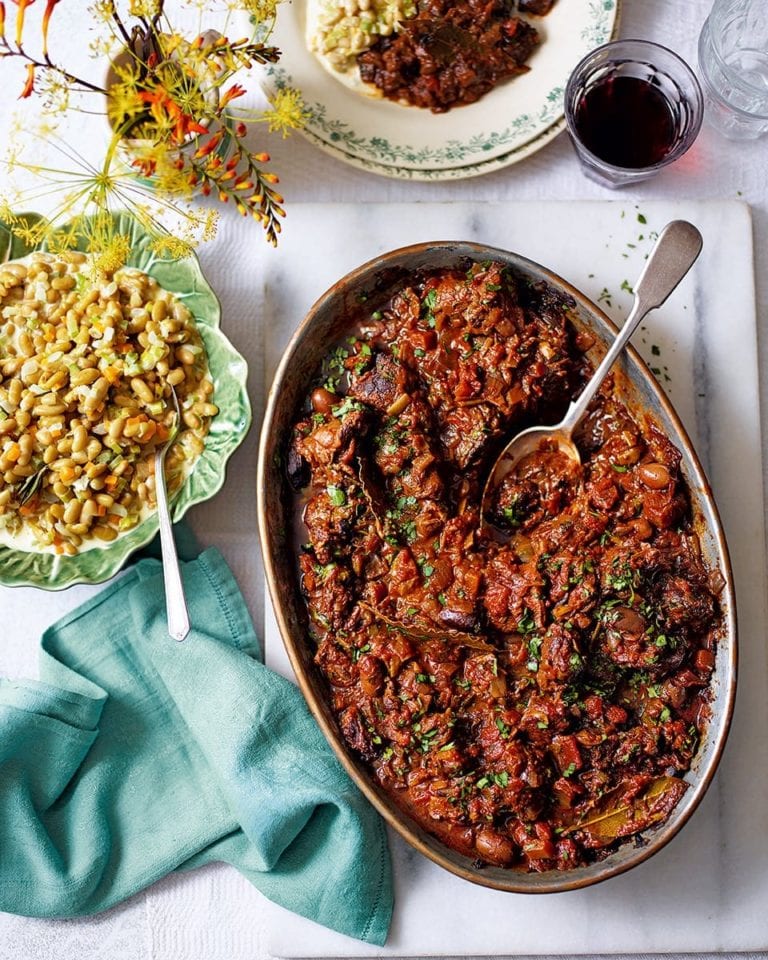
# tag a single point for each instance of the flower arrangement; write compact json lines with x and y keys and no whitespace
{"x":177,"y":135}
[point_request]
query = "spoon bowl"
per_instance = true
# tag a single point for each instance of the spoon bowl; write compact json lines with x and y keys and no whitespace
{"x":676,"y":250}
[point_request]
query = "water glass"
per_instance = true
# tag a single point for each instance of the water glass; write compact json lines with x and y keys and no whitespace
{"x":632,"y":107}
{"x":733,"y":62}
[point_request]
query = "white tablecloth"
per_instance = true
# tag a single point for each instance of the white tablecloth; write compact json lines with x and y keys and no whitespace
{"x":201,"y":916}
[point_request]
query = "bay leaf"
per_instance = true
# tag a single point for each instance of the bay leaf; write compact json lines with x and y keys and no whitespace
{"x":611,"y":819}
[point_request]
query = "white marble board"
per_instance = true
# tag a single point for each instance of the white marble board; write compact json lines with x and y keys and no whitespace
{"x":708,"y":889}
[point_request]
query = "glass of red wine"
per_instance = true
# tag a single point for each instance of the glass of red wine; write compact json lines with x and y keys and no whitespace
{"x":632,"y":107}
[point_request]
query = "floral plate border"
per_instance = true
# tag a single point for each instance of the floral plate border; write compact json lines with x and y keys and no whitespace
{"x":446,"y":162}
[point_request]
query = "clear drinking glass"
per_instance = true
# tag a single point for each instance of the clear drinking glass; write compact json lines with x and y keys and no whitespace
{"x":612,"y":151}
{"x":733,"y":61}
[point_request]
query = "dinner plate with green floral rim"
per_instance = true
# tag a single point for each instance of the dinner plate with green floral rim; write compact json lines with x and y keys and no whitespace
{"x":228,"y":428}
{"x":512,"y":121}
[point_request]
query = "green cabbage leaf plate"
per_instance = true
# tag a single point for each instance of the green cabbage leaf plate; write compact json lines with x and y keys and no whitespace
{"x":229,"y":372}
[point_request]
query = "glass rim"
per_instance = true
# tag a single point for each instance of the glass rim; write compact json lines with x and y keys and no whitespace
{"x":677,"y":151}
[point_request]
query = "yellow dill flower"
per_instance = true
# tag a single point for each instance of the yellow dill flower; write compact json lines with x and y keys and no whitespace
{"x":258,"y":9}
{"x":32,"y":234}
{"x":7,"y":214}
{"x":287,"y":112}
{"x":167,"y":177}
{"x":55,"y":91}
{"x":112,"y":254}
{"x":210,"y":225}
{"x":59,"y":241}
{"x":103,"y":10}
{"x":101,"y":47}
{"x":171,"y":247}
{"x":144,"y":8}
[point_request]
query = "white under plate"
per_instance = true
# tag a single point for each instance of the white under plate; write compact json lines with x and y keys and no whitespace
{"x":515,"y":119}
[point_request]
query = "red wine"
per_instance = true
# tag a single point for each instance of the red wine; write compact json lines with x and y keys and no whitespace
{"x":626,"y":121}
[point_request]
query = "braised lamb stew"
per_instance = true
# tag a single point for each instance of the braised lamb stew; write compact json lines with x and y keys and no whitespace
{"x":532,"y":701}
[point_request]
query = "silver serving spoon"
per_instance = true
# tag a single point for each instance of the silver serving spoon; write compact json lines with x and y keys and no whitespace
{"x":175,"y":602}
{"x":673,"y":255}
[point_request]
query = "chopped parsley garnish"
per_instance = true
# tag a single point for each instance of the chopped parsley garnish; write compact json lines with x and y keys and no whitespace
{"x":526,"y":623}
{"x":569,"y":770}
{"x":346,"y":407}
{"x":497,"y":779}
{"x":427,"y":306}
{"x":534,"y":648}
{"x":336,"y":495}
{"x":425,"y":566}
{"x":511,"y":515}
{"x":503,"y":729}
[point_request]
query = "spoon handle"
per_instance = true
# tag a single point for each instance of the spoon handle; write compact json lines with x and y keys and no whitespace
{"x":175,"y":602}
{"x":673,"y":255}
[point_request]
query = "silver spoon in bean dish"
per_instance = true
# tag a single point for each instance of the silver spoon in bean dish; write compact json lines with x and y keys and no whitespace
{"x":673,"y":255}
{"x":175,"y":602}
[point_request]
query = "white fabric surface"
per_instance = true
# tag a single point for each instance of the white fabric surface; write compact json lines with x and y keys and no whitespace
{"x":199,"y":916}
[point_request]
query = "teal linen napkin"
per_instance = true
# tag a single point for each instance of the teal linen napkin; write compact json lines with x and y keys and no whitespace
{"x":136,"y":755}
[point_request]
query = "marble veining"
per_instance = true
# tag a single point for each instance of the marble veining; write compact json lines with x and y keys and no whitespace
{"x":707,"y":889}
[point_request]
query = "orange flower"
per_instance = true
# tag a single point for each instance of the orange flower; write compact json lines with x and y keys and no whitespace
{"x":22,"y":5}
{"x":163,"y":106}
{"x":29,"y":86}
{"x":234,"y":91}
{"x":46,"y":20}
{"x":2,"y":20}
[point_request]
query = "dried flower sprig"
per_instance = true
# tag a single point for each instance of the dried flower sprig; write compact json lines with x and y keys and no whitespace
{"x":176,"y":133}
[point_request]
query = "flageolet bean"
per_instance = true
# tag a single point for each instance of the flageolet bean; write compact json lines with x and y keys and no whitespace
{"x":185,"y":356}
{"x":86,"y":376}
{"x":141,"y":389}
{"x":79,"y":439}
{"x":93,"y":449}
{"x":48,"y":409}
{"x":105,"y":533}
{"x":72,"y":511}
{"x":176,"y":376}
{"x":26,"y":346}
